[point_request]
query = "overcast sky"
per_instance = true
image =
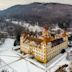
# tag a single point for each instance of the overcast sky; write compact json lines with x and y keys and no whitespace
{"x":7,"y":3}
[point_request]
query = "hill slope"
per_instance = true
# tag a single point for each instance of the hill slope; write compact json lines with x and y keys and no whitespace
{"x":44,"y":13}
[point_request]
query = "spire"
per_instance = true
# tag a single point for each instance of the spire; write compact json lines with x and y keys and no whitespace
{"x":45,"y":31}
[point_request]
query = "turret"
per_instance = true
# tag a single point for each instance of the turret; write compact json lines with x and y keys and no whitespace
{"x":45,"y":32}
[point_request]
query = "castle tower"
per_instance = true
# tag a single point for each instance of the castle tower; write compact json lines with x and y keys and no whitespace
{"x":44,"y":49}
{"x":45,"y":31}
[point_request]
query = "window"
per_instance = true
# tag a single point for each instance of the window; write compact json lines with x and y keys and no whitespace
{"x":57,"y":42}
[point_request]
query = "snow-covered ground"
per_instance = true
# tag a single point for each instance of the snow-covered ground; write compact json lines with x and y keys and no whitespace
{"x":12,"y":59}
{"x":8,"y":44}
{"x":15,"y":62}
{"x":27,"y":25}
{"x":19,"y":65}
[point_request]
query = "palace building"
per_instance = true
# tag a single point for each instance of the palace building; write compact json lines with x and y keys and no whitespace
{"x":46,"y":46}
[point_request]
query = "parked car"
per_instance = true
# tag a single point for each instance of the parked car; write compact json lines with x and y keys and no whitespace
{"x":69,"y":55}
{"x":70,"y":44}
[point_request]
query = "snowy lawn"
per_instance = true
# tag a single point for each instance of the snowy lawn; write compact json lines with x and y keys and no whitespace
{"x":8,"y":44}
{"x":9,"y":56}
{"x":25,"y":66}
